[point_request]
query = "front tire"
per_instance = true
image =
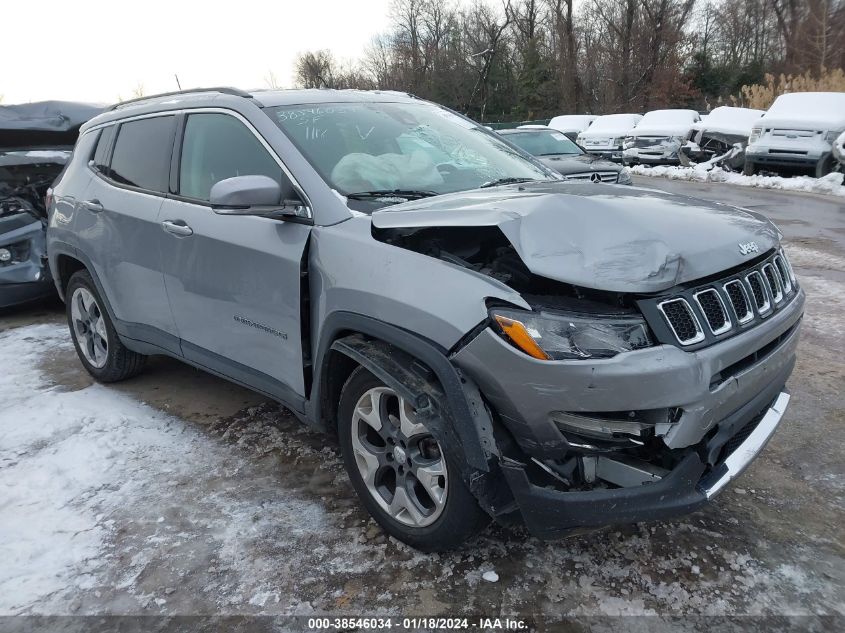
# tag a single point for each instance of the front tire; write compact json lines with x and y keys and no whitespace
{"x":406,"y":482}
{"x":824,"y":166}
{"x":749,"y":169}
{"x":94,"y":337}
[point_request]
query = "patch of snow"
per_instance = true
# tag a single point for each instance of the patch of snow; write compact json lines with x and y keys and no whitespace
{"x":666,"y":123}
{"x":730,"y":120}
{"x":572,"y":122}
{"x":70,"y":460}
{"x":831,"y":184}
{"x":806,"y":110}
{"x":612,"y":125}
{"x":490,"y":576}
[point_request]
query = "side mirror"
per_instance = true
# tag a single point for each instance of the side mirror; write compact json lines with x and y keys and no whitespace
{"x":246,"y":191}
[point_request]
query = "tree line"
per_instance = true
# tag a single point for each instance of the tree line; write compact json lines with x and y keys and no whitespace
{"x":531,"y":59}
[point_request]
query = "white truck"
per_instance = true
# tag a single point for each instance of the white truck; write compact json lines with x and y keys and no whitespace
{"x":798,"y":131}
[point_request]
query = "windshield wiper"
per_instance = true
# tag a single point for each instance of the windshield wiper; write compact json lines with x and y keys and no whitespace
{"x":505,"y":181}
{"x":408,"y":194}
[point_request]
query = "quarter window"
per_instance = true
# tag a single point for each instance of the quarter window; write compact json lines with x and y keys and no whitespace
{"x":141,"y":155}
{"x":101,"y":153}
{"x":216,"y":147}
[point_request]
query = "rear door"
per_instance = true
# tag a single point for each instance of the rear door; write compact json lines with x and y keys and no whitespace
{"x":233,"y":281}
{"x":118,"y":225}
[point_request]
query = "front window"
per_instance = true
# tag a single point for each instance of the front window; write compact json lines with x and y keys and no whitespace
{"x":544,"y":143}
{"x":417,"y":149}
{"x":217,"y":147}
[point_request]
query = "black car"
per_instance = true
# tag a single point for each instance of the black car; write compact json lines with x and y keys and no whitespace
{"x":555,"y":150}
{"x":36,"y":140}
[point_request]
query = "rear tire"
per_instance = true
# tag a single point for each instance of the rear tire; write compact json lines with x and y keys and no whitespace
{"x":94,"y":337}
{"x":435,"y":512}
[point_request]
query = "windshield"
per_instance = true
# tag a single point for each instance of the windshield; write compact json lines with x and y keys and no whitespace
{"x":362,"y":148}
{"x":544,"y":143}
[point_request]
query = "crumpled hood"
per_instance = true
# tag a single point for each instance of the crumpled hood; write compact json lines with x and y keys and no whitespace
{"x":613,"y":238}
{"x":565,"y":164}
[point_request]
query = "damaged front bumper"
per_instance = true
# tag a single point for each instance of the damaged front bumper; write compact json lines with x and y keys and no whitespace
{"x":24,"y":275}
{"x":653,"y":151}
{"x":550,"y":513}
{"x":720,"y":404}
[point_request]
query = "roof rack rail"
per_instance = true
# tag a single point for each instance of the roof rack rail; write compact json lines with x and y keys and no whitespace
{"x":223,"y":89}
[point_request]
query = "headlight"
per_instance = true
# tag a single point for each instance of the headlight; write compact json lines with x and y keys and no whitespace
{"x":628,"y":142}
{"x":579,"y":139}
{"x":557,"y":336}
{"x":624,"y":177}
{"x":619,"y":141}
{"x":756,"y":132}
{"x":830,"y":137}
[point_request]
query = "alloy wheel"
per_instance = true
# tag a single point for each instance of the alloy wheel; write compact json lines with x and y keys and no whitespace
{"x":398,"y":459}
{"x":89,"y":326}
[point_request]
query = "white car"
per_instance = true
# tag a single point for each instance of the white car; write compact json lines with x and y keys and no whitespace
{"x":839,"y":151}
{"x":658,"y":137}
{"x":797,"y":131}
{"x":572,"y":124}
{"x":607,"y":133}
{"x":723,"y":132}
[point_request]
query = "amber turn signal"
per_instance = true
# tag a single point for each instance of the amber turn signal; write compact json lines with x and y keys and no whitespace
{"x":519,"y":336}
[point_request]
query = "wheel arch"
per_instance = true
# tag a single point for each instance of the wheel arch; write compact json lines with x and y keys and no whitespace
{"x":404,"y":361}
{"x":65,"y":261}
{"x":66,"y":266}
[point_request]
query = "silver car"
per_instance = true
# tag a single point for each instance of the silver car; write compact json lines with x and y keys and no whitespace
{"x":488,"y":341}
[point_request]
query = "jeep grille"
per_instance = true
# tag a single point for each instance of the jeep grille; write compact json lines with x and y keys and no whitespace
{"x":729,"y":305}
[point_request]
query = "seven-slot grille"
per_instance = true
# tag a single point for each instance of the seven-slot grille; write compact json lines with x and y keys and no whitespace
{"x":724,"y":307}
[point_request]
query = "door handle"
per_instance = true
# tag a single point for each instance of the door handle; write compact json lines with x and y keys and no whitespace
{"x":95,"y":206}
{"x":177,"y":227}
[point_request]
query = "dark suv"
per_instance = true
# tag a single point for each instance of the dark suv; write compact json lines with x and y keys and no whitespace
{"x":486,"y":339}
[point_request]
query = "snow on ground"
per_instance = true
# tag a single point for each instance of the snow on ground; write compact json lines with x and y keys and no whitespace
{"x":70,"y":460}
{"x":833,"y":184}
{"x":110,"y":506}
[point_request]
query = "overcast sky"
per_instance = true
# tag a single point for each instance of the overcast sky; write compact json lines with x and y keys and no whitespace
{"x":98,"y":51}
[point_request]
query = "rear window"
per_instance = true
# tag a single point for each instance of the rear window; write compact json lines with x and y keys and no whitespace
{"x":141,"y":156}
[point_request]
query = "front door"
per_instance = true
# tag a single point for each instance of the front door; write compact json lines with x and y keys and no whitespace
{"x":233,"y":281}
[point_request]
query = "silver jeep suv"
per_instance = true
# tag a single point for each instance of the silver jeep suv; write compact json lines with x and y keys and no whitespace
{"x":486,"y":340}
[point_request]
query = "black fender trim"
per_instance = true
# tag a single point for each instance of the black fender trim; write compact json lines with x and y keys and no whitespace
{"x":55,"y":249}
{"x":473,"y":425}
{"x":468,"y":443}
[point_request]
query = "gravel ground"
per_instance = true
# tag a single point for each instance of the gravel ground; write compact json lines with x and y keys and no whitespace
{"x":177,"y":493}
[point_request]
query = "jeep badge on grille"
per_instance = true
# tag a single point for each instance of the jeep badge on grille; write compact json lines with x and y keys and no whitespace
{"x":748,"y":247}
